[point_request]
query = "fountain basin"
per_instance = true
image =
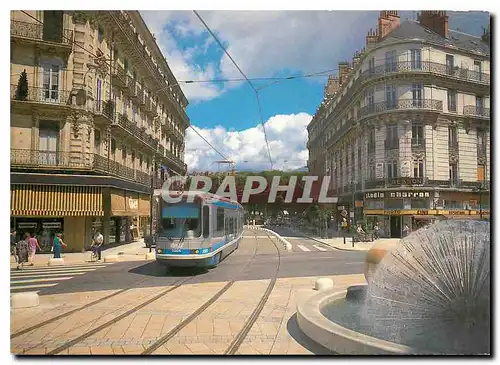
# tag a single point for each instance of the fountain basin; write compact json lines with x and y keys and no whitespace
{"x":336,"y":337}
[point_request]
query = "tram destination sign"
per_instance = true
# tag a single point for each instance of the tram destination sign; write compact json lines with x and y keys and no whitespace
{"x":397,"y":195}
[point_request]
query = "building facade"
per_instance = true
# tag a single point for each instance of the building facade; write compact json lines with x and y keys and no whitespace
{"x":100,"y":120}
{"x":404,"y":130}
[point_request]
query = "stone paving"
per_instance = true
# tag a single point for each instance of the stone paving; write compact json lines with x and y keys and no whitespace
{"x":210,"y":333}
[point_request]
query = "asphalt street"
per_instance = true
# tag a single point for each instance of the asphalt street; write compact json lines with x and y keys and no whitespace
{"x":307,"y":258}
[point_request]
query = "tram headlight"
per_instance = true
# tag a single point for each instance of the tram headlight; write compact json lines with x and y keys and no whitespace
{"x":159,"y":250}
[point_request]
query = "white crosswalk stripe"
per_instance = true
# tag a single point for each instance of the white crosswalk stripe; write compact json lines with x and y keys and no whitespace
{"x":36,"y":278}
{"x":320,"y":248}
{"x":303,"y":248}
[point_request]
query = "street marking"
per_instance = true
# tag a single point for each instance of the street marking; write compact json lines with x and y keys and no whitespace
{"x":26,"y":275}
{"x":39,"y":280}
{"x":32,"y":286}
{"x":319,"y":248}
{"x":354,"y":263}
{"x":303,"y":248}
{"x":49,"y":272}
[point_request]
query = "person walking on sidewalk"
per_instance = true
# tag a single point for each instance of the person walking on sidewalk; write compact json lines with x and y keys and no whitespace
{"x":57,"y":246}
{"x":13,"y":243}
{"x":376,"y":230}
{"x":22,"y":253}
{"x":97,"y":244}
{"x":32,"y":246}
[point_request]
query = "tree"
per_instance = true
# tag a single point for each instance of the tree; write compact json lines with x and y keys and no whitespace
{"x":22,"y":87}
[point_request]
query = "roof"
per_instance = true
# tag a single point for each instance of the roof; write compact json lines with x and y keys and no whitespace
{"x":411,"y":29}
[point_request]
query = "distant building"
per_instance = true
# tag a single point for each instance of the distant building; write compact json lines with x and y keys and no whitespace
{"x":101,"y":113}
{"x":404,"y":130}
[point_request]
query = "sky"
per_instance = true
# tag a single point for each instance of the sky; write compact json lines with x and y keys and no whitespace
{"x":264,"y":44}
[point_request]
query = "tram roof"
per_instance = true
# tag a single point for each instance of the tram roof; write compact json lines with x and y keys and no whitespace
{"x":207,"y":197}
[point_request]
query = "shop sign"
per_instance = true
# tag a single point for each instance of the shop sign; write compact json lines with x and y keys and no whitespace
{"x":409,"y":194}
{"x":27,"y":225}
{"x":458,"y":212}
{"x":379,"y":170}
{"x":375,"y":195}
{"x":359,"y":203}
{"x":51,"y":225}
{"x":405,"y":168}
{"x":422,"y":212}
{"x":133,"y":203}
{"x":406,"y":181}
{"x":341,"y":207}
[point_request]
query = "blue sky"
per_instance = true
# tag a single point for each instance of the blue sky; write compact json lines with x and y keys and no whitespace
{"x":264,"y":44}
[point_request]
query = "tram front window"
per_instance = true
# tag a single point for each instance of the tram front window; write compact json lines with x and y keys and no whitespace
{"x":180,"y":221}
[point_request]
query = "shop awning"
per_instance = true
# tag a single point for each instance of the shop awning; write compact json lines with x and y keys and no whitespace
{"x":55,"y":200}
{"x":129,"y":204}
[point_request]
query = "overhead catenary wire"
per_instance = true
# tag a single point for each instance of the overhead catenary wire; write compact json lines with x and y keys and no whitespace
{"x":246,"y":78}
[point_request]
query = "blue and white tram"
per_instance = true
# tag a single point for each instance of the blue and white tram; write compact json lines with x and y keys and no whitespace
{"x":200,"y":233}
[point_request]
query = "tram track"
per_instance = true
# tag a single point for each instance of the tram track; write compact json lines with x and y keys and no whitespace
{"x":232,"y":348}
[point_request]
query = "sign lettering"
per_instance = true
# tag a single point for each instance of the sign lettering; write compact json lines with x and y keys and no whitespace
{"x":458,"y":212}
{"x":422,"y":212}
{"x":133,"y":203}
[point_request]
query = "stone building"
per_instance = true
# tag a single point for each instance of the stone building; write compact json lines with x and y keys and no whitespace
{"x":102,"y":114}
{"x":404,"y":130}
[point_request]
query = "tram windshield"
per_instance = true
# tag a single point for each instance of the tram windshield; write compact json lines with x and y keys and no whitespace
{"x":180,"y":220}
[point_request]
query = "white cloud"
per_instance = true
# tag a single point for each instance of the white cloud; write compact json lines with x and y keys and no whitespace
{"x":287,"y":138}
{"x":261,"y":42}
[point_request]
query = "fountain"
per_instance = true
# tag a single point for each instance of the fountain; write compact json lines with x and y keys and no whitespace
{"x":430,"y":294}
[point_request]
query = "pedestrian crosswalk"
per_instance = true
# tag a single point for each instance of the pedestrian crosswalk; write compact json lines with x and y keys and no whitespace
{"x":37,"y":278}
{"x":311,"y":247}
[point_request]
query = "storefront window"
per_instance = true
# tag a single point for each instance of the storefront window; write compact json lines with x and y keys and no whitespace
{"x":112,"y":231}
{"x":373,"y":204}
{"x":44,"y":230}
{"x":394,"y":204}
{"x":420,"y":204}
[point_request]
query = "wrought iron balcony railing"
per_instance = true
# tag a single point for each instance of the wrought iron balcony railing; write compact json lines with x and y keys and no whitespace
{"x":427,"y":67}
{"x":476,"y":111}
{"x":60,"y":160}
{"x":39,"y":32}
{"x":119,"y":74}
{"x":402,"y":104}
{"x":42,"y":95}
{"x":136,"y":131}
{"x":417,"y":142}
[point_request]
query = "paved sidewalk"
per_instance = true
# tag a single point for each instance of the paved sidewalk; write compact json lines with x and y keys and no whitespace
{"x":127,"y":252}
{"x":338,"y":242}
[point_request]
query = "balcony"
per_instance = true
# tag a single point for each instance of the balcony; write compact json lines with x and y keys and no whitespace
{"x":391,"y":144}
{"x":475,"y":111}
{"x":176,"y":161}
{"x":104,"y":111}
{"x":61,"y":161}
{"x":42,"y":34}
{"x":402,"y":104}
{"x":130,"y":87}
{"x":42,"y":95}
{"x":119,"y":76}
{"x":427,"y":67}
{"x":133,"y":130}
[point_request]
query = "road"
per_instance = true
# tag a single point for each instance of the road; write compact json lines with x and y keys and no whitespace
{"x":133,"y":298}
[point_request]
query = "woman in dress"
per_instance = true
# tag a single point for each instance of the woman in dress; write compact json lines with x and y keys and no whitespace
{"x":58,"y":244}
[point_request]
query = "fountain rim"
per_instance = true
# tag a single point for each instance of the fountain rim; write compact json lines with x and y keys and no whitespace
{"x":344,"y":341}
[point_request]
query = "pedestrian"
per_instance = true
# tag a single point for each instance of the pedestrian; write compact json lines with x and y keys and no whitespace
{"x":406,"y":230}
{"x":22,"y":253}
{"x":97,"y":244}
{"x":57,"y":246}
{"x":13,"y":243}
{"x":376,"y":229}
{"x":32,"y":246}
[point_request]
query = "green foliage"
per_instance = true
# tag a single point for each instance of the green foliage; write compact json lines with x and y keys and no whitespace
{"x":22,"y":87}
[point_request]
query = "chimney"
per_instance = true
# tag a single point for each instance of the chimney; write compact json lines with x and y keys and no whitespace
{"x":344,"y":69}
{"x":332,"y":86}
{"x":355,"y":59}
{"x":436,"y":21}
{"x":387,"y":22}
{"x":371,"y":39}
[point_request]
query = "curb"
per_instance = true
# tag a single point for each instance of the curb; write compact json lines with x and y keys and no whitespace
{"x":287,"y":245}
{"x":325,"y":243}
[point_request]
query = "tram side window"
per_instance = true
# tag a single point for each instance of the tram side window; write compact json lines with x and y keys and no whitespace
{"x":220,"y":222}
{"x":206,"y":221}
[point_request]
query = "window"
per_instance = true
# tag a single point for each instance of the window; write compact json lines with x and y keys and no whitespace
{"x":452,"y":100}
{"x":132,"y":157}
{"x":141,"y":160}
{"x":417,"y":91}
{"x":125,"y":106}
{"x":100,"y":34}
{"x":125,"y":64}
{"x":478,"y":69}
{"x":418,"y":168}
{"x":359,"y":160}
{"x":180,"y":220}
{"x":392,"y":168}
{"x":113,"y":146}
{"x":416,"y":59}
{"x":371,"y":139}
{"x":371,"y":170}
{"x":452,"y":137}
{"x":134,"y":113}
{"x":206,"y":221}
{"x":479,"y":104}
{"x":370,"y":99}
{"x":53,"y":26}
{"x":48,"y":144}
{"x":220,"y":220}
{"x":481,"y":140}
{"x":390,"y":96}
{"x":390,"y":61}
{"x":50,"y":91}
{"x":392,"y":136}
{"x":99,"y":94}
{"x":97,"y":141}
{"x":124,"y":153}
{"x":417,"y":135}
{"x":353,"y":164}
{"x":480,"y":173}
{"x":371,"y":65}
{"x":449,"y":64}
{"x":453,"y":173}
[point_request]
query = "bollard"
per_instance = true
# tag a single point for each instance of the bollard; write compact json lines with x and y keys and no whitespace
{"x":344,"y":239}
{"x":353,"y":241}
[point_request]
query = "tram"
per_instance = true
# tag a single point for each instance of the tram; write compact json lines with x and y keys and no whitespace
{"x":196,"y":232}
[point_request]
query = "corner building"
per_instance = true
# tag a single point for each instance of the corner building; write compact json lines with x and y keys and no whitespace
{"x":404,"y":130}
{"x":103,"y":121}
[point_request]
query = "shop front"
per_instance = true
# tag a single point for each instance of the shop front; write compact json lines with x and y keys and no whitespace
{"x":45,"y":210}
{"x":129,"y":215}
